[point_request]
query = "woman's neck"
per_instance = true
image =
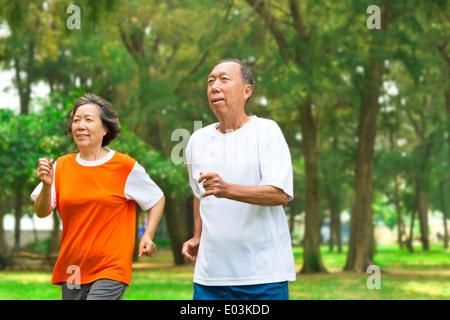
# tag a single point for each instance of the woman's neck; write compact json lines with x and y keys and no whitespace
{"x":93,"y":155}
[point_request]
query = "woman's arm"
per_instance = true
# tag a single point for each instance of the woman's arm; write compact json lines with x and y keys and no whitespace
{"x":146,"y":246}
{"x":43,"y":202}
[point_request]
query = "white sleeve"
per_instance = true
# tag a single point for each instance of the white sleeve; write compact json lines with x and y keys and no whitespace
{"x":38,"y":189}
{"x":190,"y":164}
{"x":141,"y":188}
{"x":275,"y":161}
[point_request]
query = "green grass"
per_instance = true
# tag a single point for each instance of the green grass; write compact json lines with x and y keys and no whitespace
{"x":404,"y":276}
{"x":27,"y":286}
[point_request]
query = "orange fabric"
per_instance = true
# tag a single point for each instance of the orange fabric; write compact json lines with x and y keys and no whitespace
{"x":98,"y":221}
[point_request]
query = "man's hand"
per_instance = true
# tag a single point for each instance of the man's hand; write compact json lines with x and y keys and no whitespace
{"x":213,"y":185}
{"x":190,"y":249}
{"x":146,"y":246}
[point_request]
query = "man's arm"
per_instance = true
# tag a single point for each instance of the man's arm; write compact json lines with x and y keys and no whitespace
{"x":197,"y":218}
{"x":190,"y":247}
{"x":262,"y":195}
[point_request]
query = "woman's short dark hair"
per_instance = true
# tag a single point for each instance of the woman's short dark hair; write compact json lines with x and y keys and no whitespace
{"x":108,"y":115}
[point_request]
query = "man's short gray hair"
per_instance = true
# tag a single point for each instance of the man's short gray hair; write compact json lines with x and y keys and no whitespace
{"x":246,"y":73}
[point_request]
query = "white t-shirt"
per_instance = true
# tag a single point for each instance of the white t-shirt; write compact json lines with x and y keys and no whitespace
{"x":139,"y":186}
{"x":242,"y":244}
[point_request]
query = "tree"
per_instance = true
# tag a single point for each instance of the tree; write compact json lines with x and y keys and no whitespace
{"x":420,"y":79}
{"x":297,"y":53}
{"x":359,"y":255}
{"x":442,"y":48}
{"x":156,"y":48}
{"x":391,"y":164}
{"x":23,"y":140}
{"x":23,"y":21}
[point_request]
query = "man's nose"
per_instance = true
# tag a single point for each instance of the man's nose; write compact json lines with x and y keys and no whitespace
{"x":215,"y":87}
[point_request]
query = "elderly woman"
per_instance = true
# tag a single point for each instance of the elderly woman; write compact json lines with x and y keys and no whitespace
{"x":95,"y":192}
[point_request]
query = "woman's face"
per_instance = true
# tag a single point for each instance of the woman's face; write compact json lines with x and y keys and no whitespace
{"x":87,"y":127}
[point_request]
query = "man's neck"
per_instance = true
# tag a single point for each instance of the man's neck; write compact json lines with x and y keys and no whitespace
{"x":227,"y":125}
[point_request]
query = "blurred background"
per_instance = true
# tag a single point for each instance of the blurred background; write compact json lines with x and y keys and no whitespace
{"x":361,"y":94}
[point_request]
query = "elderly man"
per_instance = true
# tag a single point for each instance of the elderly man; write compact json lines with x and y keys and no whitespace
{"x":240,"y":172}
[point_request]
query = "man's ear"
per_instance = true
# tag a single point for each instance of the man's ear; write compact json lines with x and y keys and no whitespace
{"x":248,"y":90}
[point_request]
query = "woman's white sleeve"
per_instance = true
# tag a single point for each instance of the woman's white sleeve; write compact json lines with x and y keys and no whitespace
{"x":141,"y":188}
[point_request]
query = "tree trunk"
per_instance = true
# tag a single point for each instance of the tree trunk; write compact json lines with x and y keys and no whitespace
{"x":55,"y":237}
{"x":409,"y":241}
{"x":335,"y":224}
{"x":3,"y":262}
{"x":147,"y":95}
{"x":312,"y":261}
{"x":359,"y":251}
{"x":24,"y":86}
{"x":444,"y":209}
{"x":18,"y":216}
{"x":333,"y":195}
{"x":294,"y":212}
{"x":137,"y":223}
{"x":415,"y":207}
{"x":178,"y":214}
{"x":361,"y":229}
{"x":3,"y":249}
{"x":423,"y":219}
{"x":424,"y":152}
{"x":398,"y":208}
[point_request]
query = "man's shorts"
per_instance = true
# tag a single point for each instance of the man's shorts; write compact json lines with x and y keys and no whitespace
{"x":102,"y":289}
{"x":266,"y":291}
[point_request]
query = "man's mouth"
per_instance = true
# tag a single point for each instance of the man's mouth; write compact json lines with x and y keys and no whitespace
{"x":217,"y":100}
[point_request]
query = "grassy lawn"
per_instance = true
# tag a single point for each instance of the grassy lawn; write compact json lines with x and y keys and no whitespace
{"x":420,"y":275}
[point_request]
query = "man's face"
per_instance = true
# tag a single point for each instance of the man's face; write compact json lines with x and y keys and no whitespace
{"x":226,"y":90}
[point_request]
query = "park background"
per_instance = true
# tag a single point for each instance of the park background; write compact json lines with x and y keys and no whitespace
{"x":362,"y":97}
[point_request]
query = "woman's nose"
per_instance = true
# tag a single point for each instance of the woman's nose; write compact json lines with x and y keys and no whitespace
{"x":81,"y":125}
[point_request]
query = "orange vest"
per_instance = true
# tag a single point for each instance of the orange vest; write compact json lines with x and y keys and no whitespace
{"x":98,"y":221}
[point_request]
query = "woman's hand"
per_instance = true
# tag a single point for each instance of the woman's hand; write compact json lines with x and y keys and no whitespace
{"x":146,"y":246}
{"x":43,"y":202}
{"x":45,"y":171}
